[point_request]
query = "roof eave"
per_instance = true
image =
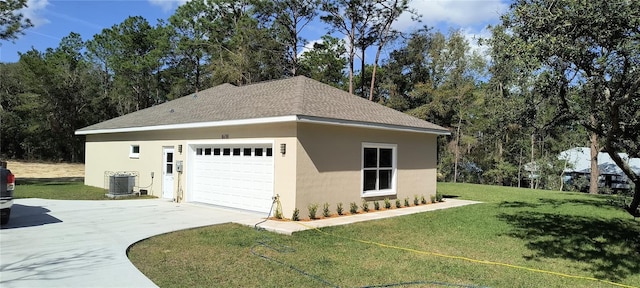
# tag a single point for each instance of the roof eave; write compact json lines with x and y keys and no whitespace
{"x":370,"y":125}
{"x":269,"y":120}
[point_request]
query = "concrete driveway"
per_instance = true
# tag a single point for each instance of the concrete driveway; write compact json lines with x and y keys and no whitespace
{"x":58,"y":243}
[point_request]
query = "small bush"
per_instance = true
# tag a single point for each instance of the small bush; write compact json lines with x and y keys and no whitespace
{"x":416,"y":201}
{"x":406,"y":202}
{"x":313,"y":208}
{"x":325,"y":210}
{"x":354,"y":208}
{"x":376,"y":205}
{"x":433,"y":198}
{"x":387,"y":203}
{"x":339,"y":208}
{"x":438,"y":197}
{"x":365,"y":206}
{"x":296,"y":215}
{"x":398,"y":205}
{"x":423,"y":200}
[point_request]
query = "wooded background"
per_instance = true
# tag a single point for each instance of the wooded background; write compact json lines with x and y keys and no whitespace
{"x":557,"y":75}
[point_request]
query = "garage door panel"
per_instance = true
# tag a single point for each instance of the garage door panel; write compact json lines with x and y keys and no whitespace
{"x":238,"y":181}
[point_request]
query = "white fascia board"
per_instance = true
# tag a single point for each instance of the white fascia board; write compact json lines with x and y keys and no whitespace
{"x":349,"y":123}
{"x":266,"y":120}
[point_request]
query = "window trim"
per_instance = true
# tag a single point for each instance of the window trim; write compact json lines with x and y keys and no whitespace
{"x":134,"y":155}
{"x":394,"y":170}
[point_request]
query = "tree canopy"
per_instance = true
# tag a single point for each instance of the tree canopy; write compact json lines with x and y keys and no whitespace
{"x":558,"y":75}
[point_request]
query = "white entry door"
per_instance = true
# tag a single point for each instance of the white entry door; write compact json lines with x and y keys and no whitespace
{"x":167,"y":172}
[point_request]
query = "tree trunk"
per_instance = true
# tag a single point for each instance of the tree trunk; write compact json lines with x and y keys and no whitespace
{"x":520,"y":169}
{"x":533,"y":164}
{"x":373,"y":73}
{"x":457,"y":155}
{"x":362,"y":73}
{"x":595,"y":173}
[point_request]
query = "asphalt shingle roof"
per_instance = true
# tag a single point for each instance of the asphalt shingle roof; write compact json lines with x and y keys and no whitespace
{"x":299,"y":96}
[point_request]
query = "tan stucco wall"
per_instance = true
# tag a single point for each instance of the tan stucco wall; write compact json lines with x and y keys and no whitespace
{"x":329,"y":164}
{"x":110,"y":152}
{"x":322,"y":162}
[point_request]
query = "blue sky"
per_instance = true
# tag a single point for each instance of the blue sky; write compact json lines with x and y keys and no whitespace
{"x":54,"y":19}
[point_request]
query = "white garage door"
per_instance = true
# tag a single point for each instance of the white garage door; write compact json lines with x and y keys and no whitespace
{"x":238,"y":175}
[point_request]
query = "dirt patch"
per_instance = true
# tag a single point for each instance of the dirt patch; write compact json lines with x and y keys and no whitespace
{"x":45,"y":170}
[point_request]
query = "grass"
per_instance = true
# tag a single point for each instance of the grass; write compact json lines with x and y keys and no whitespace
{"x":568,"y":233}
{"x":63,"y":191}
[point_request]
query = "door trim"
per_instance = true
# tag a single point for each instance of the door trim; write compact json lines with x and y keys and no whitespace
{"x":165,"y":175}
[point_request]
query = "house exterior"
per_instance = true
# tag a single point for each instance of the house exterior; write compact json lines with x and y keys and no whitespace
{"x":298,"y":139}
{"x":611,"y":176}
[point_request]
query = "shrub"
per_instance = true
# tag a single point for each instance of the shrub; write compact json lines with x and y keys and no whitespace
{"x":354,"y":208}
{"x":365,"y":206}
{"x":376,"y":205}
{"x":296,"y":215}
{"x":339,"y":208}
{"x":398,"y":205}
{"x":387,"y":203}
{"x":416,"y":201}
{"x":406,"y":202}
{"x":325,"y":210}
{"x":438,"y":196}
{"x":313,"y":208}
{"x":423,"y":200}
{"x":433,"y":198}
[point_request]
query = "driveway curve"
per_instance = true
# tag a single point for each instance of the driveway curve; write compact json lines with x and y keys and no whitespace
{"x":60,"y":243}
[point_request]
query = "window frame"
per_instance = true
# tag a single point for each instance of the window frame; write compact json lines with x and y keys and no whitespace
{"x":132,"y":154}
{"x":394,"y":170}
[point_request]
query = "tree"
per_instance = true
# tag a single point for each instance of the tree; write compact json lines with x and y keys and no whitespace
{"x":325,"y":61}
{"x":290,"y":18}
{"x":12,"y":23}
{"x":592,"y":47}
{"x":351,"y":18}
{"x":62,"y":86}
{"x":190,"y":53}
{"x":388,"y":12}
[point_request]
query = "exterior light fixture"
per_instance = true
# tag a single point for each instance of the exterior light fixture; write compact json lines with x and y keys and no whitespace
{"x":283,"y":148}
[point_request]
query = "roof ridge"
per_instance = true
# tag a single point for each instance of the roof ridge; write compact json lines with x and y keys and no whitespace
{"x":300,"y":85}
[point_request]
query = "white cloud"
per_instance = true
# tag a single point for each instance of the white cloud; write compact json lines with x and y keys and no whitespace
{"x":167,"y":5}
{"x":309,"y":46}
{"x":34,"y":11}
{"x":472,"y":36}
{"x":453,"y":13}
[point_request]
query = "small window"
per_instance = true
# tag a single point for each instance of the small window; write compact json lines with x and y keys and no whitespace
{"x":207,"y":151}
{"x":216,"y":151}
{"x":258,"y":151}
{"x":236,"y":151}
{"x":226,"y":151}
{"x":269,"y":152}
{"x":198,"y":151}
{"x":247,"y":152}
{"x":134,"y":151}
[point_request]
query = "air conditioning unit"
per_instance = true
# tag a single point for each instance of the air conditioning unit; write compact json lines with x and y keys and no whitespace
{"x":121,"y":184}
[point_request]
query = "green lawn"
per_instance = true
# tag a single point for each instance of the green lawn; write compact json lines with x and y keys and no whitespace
{"x":62,"y":191}
{"x":568,"y":233}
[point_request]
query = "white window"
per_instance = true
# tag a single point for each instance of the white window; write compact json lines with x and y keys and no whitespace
{"x":134,"y":151}
{"x":378,"y":169}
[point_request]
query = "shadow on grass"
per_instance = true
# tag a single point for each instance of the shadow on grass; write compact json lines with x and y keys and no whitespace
{"x":48,"y":181}
{"x":518,"y":204}
{"x":596,"y":202}
{"x":610,"y":248}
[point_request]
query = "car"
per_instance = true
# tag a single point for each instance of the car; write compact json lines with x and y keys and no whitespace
{"x":7,"y":185}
